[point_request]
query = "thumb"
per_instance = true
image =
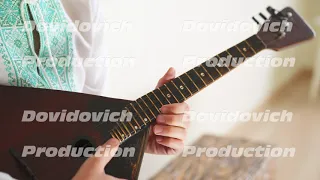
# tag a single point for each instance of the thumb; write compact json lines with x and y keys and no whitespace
{"x":93,"y":167}
{"x":170,"y":74}
{"x":105,"y":153}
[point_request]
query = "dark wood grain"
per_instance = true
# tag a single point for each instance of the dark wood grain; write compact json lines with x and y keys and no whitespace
{"x":15,"y":134}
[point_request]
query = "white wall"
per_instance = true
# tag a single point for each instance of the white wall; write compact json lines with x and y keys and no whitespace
{"x":155,"y":41}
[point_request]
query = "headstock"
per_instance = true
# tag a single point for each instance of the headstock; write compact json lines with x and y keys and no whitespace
{"x":283,"y":29}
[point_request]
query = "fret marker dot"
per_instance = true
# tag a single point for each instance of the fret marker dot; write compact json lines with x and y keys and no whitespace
{"x":168,"y":95}
{"x":145,"y":119}
{"x":202,"y":74}
{"x":181,"y":87}
{"x":122,"y":135}
{"x":244,"y":49}
{"x":136,"y":127}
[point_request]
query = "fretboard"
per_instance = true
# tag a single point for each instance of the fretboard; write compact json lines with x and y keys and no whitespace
{"x":147,"y":108}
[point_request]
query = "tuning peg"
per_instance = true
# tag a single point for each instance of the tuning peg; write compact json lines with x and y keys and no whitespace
{"x":271,"y":11}
{"x":263,"y":17}
{"x":255,"y":20}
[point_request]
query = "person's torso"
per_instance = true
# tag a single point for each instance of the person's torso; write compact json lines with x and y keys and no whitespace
{"x":18,"y":62}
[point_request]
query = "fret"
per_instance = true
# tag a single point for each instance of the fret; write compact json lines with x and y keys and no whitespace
{"x":198,"y":89}
{"x":245,"y":49}
{"x":214,"y":73}
{"x":143,"y":110}
{"x":197,"y":80}
{"x":112,"y":134}
{"x":225,"y":56}
{"x":230,"y":59}
{"x":126,"y":124}
{"x":182,"y":87}
{"x":240,"y":51}
{"x":138,"y":125}
{"x":201,"y":65}
{"x":154,"y":101}
{"x":200,"y":77}
{"x":165,"y":95}
{"x":173,"y":95}
{"x":151,"y":95}
{"x":124,"y":131}
{"x":142,"y":119}
{"x":132,"y":127}
{"x":166,"y":92}
{"x":229,"y":54}
{"x":213,"y":64}
{"x":120,"y":134}
{"x":179,"y":89}
{"x":152,"y":107}
{"x":250,"y":46}
{"x":126,"y":127}
{"x":204,"y":74}
{"x":161,"y":97}
{"x":118,"y":137}
{"x":121,"y":131}
{"x":220,"y":65}
{"x":256,"y":43}
{"x":175,"y":91}
{"x":146,"y":108}
{"x":189,"y":83}
{"x":237,"y":57}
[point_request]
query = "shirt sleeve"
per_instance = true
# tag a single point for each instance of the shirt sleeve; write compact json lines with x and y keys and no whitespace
{"x":91,"y":74}
{"x":95,"y":81}
{"x":4,"y":176}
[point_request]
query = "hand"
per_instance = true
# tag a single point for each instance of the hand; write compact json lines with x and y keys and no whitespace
{"x":93,"y":168}
{"x":168,"y":134}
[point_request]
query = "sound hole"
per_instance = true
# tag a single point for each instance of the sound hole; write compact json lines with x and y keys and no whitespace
{"x":82,"y":144}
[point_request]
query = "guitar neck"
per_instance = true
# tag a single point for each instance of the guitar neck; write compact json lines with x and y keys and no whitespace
{"x":147,"y":108}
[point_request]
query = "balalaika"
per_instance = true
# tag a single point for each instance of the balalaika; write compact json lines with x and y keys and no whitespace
{"x":14,"y":101}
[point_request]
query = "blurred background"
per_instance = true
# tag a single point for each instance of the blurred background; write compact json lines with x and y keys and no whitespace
{"x":154,"y":39}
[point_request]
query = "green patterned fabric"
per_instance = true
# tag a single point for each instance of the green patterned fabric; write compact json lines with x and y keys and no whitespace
{"x":20,"y":62}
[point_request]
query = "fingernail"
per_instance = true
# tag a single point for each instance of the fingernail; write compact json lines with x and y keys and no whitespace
{"x":159,"y":138}
{"x":158,"y":129}
{"x":114,"y":142}
{"x":161,"y":119}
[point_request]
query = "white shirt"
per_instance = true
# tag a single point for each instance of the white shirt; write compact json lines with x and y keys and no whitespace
{"x":4,"y":176}
{"x":89,"y":80}
{"x":86,"y":45}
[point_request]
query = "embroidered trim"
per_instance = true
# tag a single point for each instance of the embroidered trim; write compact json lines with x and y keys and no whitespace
{"x":16,"y":53}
